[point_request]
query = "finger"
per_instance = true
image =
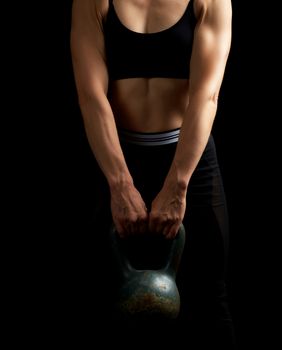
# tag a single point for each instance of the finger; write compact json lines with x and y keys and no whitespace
{"x":125,"y":224}
{"x":152,"y":223}
{"x":142,"y":224}
{"x":143,"y":227}
{"x":132,"y":225}
{"x":167,"y":229}
{"x":160,"y":227}
{"x":156,"y":226}
{"x":119,"y":229}
{"x":173,"y":231}
{"x":131,"y":228}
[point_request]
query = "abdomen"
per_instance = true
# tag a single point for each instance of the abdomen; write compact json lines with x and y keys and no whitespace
{"x":149,"y":105}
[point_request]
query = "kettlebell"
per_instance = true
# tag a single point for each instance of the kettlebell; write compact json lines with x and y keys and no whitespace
{"x":148,"y":294}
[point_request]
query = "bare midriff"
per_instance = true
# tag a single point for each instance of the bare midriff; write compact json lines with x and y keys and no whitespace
{"x":149,"y":105}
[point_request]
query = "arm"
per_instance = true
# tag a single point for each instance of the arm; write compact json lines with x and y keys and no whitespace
{"x":212,"y":40}
{"x":91,"y":76}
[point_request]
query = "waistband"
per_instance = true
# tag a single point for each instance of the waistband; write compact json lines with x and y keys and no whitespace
{"x":149,"y":139}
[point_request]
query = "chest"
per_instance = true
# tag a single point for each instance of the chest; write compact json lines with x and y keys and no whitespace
{"x":150,"y":16}
{"x":139,"y":49}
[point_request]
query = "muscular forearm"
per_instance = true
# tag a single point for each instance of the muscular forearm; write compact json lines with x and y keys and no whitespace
{"x":128,"y":209}
{"x":103,"y":139}
{"x":168,"y":208}
{"x":193,"y":138}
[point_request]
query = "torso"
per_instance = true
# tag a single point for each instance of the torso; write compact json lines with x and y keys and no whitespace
{"x":149,"y":104}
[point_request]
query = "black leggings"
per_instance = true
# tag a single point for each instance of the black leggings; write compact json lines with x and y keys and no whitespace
{"x":204,"y":321}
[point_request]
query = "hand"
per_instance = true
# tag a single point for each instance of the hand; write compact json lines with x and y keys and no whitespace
{"x":168,"y":210}
{"x":128,"y":210}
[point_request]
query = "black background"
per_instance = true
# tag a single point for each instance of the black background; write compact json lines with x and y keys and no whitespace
{"x":55,"y":168}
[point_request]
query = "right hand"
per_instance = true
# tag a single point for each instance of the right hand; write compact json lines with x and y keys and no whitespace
{"x":128,"y":210}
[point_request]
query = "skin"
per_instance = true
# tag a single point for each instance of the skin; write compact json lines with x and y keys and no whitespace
{"x":149,"y":105}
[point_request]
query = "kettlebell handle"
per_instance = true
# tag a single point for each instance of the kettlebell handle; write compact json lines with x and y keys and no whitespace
{"x":175,"y":252}
{"x":173,"y":259}
{"x":123,"y":264}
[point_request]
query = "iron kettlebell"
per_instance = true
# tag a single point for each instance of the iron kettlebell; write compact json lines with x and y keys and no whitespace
{"x":149,"y":293}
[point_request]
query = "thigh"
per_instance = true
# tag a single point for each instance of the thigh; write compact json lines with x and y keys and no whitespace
{"x":204,"y":260}
{"x":201,"y":278}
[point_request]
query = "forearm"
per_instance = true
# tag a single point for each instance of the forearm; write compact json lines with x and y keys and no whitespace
{"x":195,"y":131}
{"x":102,"y":135}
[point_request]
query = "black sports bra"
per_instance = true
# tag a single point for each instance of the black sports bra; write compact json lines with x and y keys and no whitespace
{"x":164,"y":54}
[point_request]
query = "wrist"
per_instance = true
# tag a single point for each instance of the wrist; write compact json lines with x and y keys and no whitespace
{"x":177,"y":179}
{"x":176,"y":186}
{"x":119,"y":182}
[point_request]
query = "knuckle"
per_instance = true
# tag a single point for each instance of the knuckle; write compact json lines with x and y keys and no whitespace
{"x":131,"y":219}
{"x":144,"y":216}
{"x":154,"y":214}
{"x":170,"y":220}
{"x":134,"y":220}
{"x":176,"y":218}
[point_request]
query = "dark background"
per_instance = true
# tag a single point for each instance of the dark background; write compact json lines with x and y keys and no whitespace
{"x":57,"y":191}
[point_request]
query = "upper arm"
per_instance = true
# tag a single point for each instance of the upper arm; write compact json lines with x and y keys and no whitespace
{"x":211,"y":46}
{"x":88,"y":48}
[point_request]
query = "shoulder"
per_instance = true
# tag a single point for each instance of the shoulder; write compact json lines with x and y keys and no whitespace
{"x":101,"y":7}
{"x":203,"y":6}
{"x":97,"y":7}
{"x":211,"y":10}
{"x":90,"y":11}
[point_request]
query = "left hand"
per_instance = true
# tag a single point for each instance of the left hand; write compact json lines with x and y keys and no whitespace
{"x":168,"y":210}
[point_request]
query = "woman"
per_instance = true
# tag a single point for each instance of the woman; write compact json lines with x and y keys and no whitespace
{"x":148,"y":75}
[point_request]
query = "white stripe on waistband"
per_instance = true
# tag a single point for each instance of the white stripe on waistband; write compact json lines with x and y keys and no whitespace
{"x":149,"y":139}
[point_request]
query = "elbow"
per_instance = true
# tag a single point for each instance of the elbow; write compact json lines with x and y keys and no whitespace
{"x":86,"y":99}
{"x":93,"y":105}
{"x":86,"y":94}
{"x":213,"y":98}
{"x":203,"y":97}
